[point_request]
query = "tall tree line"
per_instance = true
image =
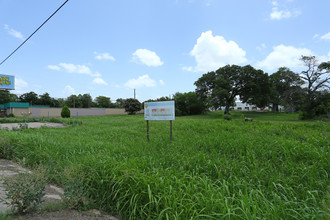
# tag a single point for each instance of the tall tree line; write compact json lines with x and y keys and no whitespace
{"x":307,"y":92}
{"x":73,"y":101}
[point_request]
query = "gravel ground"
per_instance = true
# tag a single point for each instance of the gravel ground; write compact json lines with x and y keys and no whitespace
{"x":11,"y":126}
{"x":69,"y":215}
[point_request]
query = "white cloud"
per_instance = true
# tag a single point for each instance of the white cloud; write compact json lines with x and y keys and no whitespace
{"x":187,"y":68}
{"x":72,"y":68}
{"x":96,"y":74}
{"x":162,"y":82}
{"x":147,"y":57}
{"x":54,"y":67}
{"x":20,"y":84}
{"x":142,"y":81}
{"x":262,"y":46}
{"x":69,"y":90}
{"x":316,"y":36}
{"x":279,"y":14}
{"x":326,"y":36}
{"x":13,"y":32}
{"x":104,"y":56}
{"x":282,"y":55}
{"x":212,"y":52}
{"x":99,"y":81}
{"x":275,"y":3}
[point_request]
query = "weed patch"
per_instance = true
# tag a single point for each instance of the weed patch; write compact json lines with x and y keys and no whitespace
{"x":274,"y":168}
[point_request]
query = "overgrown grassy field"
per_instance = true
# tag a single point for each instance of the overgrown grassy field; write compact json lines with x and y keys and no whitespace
{"x":275,"y":167}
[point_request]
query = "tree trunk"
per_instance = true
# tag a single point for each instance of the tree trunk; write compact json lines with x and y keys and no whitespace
{"x":275,"y":108}
{"x":227,"y":110}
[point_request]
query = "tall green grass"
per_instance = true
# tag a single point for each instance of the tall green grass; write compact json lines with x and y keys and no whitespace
{"x":213,"y":168}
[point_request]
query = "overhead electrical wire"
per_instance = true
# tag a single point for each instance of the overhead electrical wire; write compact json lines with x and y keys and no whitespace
{"x":34,"y":32}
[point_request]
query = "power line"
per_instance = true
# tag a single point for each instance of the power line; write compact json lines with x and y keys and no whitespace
{"x":33,"y":32}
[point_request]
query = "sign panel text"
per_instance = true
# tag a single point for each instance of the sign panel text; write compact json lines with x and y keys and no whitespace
{"x":159,"y":110}
{"x":7,"y":82}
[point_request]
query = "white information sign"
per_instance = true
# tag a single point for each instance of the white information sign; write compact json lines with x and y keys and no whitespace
{"x":159,"y":110}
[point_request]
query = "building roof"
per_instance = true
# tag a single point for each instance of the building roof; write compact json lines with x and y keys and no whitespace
{"x":16,"y":105}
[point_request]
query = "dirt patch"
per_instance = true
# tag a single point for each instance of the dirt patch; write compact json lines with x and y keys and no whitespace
{"x":69,"y":215}
{"x":12,"y":126}
{"x":53,"y":196}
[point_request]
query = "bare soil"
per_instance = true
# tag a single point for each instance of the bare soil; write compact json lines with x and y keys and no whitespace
{"x":11,"y":126}
{"x":68,"y":215}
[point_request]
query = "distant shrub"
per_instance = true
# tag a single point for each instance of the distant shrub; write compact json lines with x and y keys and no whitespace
{"x":65,"y":113}
{"x":188,"y":104}
{"x":11,"y":115}
{"x":132,"y":106}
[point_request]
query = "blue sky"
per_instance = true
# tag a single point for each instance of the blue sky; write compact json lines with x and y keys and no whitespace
{"x":108,"y":48}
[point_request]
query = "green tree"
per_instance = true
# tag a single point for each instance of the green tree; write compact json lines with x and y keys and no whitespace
{"x":86,"y":100}
{"x":285,"y":89}
{"x":188,"y":104}
{"x":256,"y":90}
{"x":317,"y":78}
{"x":65,"y":113}
{"x":30,"y":97}
{"x":119,"y":103}
{"x":73,"y":101}
{"x":4,"y":96}
{"x":45,"y":99}
{"x":220,"y":88}
{"x":13,"y":97}
{"x":132,"y":106}
{"x":103,"y":101}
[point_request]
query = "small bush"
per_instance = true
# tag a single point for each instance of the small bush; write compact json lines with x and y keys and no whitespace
{"x":11,"y":115}
{"x":75,"y":193}
{"x":25,"y":192}
{"x":227,"y":117}
{"x":65,"y":113}
{"x":6,"y":148}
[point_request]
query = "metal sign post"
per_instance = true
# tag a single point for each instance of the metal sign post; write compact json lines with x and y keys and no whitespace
{"x":148,"y":130}
{"x":158,"y":111}
{"x":171,"y":130}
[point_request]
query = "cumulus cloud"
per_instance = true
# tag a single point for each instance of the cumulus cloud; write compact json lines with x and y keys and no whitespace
{"x":279,"y":14}
{"x":261,"y":47}
{"x":212,"y":52}
{"x":326,"y":36}
{"x":68,"y":90}
{"x":146,"y":57}
{"x":13,"y":32}
{"x":142,"y":81}
{"x":161,"y":82}
{"x":282,"y":55}
{"x":104,"y":56}
{"x":74,"y":68}
{"x":316,"y":36}
{"x":99,"y":81}
{"x":79,"y":69}
{"x":54,"y":67}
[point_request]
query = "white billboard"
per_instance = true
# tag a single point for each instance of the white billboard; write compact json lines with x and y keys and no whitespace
{"x":159,"y":110}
